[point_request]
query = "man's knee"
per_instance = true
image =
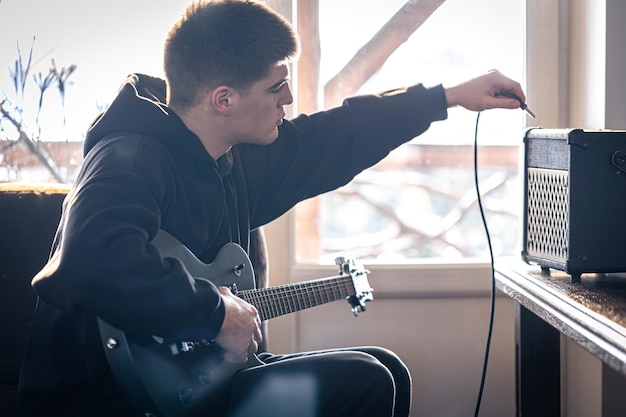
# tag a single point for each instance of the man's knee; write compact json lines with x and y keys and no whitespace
{"x":342,"y":383}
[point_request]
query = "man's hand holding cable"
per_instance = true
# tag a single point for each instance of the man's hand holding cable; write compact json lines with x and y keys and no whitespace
{"x":484,"y":92}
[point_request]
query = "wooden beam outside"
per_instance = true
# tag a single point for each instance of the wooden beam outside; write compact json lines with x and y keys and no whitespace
{"x":373,"y":55}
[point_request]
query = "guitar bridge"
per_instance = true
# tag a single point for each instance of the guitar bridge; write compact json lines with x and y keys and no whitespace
{"x":182,"y":347}
{"x":178,"y":348}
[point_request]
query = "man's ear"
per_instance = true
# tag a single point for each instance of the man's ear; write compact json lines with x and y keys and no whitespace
{"x":222,"y":99}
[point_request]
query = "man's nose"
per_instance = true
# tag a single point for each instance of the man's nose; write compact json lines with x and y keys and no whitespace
{"x":287,"y":98}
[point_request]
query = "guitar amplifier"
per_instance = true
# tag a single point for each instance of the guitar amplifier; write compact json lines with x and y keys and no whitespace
{"x":575,"y":200}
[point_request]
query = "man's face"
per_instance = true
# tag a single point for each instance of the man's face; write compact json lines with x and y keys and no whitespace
{"x":259,"y":110}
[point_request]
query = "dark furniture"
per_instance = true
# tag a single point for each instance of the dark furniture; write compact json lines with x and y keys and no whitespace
{"x":29,"y":216}
{"x":591,"y":312}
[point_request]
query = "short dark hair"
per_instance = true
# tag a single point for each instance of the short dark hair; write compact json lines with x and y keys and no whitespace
{"x":224,"y":42}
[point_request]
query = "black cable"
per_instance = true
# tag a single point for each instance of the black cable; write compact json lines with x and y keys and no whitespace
{"x":493,"y":279}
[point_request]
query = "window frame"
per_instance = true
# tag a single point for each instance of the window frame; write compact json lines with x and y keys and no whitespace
{"x":546,"y":31}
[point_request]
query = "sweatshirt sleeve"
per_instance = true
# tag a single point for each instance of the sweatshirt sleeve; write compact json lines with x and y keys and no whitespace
{"x":321,"y":152}
{"x":104,"y":262}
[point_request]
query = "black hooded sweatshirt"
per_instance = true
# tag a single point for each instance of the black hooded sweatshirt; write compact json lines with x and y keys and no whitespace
{"x":144,"y":171}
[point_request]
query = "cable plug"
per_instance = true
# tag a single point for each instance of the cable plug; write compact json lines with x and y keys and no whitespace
{"x":522,"y":105}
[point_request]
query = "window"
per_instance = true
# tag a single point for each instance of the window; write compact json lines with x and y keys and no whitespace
{"x":420,"y":202}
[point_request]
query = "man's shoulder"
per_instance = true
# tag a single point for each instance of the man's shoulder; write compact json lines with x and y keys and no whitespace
{"x":127,"y":151}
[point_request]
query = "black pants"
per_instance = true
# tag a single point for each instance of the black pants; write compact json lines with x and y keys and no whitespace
{"x":363,"y":381}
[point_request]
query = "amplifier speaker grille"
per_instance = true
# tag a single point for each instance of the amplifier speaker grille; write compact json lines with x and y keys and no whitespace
{"x":548,"y":208}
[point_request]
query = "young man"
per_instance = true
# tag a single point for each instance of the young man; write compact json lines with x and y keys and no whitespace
{"x":207,"y":156}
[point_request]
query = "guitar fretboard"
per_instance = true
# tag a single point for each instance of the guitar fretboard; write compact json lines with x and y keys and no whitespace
{"x":285,"y":299}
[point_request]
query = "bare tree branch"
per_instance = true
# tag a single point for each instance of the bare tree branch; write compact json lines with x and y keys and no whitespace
{"x":43,"y":157}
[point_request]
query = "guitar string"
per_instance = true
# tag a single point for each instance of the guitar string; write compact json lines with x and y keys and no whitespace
{"x":316,"y":294}
{"x":272,"y":301}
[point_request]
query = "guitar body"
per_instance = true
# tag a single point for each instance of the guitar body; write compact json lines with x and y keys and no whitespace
{"x":191,"y":378}
{"x":163,"y":379}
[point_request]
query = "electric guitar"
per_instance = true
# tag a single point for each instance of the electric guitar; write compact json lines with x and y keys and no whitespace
{"x":191,"y":378}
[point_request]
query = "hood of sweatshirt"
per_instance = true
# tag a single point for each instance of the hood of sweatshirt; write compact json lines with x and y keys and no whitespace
{"x":140,"y":108}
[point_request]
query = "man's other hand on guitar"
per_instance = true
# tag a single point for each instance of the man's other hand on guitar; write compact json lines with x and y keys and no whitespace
{"x":240,"y":334}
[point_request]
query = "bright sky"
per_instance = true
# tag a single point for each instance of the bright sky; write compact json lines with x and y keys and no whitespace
{"x":105,"y":39}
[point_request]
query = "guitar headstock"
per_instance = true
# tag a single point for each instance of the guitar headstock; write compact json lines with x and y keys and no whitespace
{"x":363,"y":292}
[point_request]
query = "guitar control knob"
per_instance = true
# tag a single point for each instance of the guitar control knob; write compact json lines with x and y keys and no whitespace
{"x":238,"y":268}
{"x":185,"y":396}
{"x":205,"y":377}
{"x":111,"y":343}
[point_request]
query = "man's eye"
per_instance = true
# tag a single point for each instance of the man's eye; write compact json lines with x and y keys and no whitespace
{"x":278,"y":88}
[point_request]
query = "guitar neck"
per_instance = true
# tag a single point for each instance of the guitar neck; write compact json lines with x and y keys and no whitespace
{"x":284,"y":299}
